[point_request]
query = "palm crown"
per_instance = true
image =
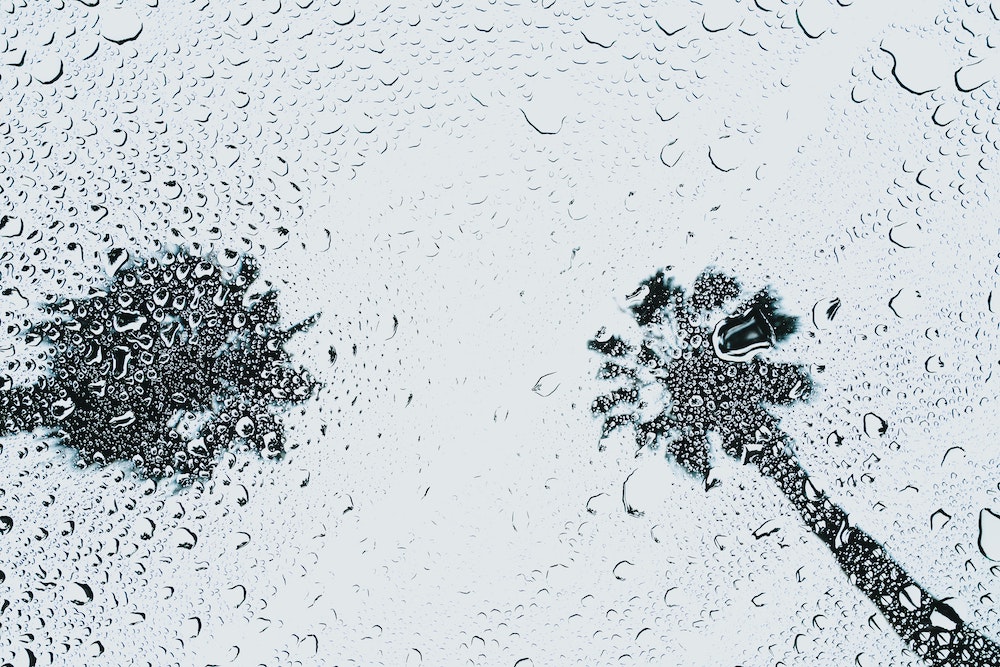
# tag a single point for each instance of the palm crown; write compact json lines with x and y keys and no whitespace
{"x":714,"y":378}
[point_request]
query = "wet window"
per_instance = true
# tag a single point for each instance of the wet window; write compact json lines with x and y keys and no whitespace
{"x":549,"y":332}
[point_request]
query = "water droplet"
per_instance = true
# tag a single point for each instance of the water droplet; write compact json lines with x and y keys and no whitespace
{"x":120,"y":25}
{"x":741,"y":337}
{"x":989,"y":534}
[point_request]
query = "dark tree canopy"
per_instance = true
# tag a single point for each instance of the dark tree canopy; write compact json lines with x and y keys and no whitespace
{"x":691,"y":356}
{"x":173,"y":362}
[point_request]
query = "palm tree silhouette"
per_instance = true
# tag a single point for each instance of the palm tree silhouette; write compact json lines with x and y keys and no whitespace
{"x":718,"y":383}
{"x":168,"y":364}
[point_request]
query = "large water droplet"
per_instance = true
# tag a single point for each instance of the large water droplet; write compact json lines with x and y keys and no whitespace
{"x":989,"y":534}
{"x":740,"y":337}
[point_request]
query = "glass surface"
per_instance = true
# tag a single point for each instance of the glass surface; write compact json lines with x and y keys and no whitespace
{"x":499,"y":332}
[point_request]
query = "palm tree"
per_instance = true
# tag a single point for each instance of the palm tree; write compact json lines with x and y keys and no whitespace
{"x":168,"y":364}
{"x":718,"y":383}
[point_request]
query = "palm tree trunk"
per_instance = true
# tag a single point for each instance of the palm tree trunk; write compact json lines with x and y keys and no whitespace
{"x":928,"y":625}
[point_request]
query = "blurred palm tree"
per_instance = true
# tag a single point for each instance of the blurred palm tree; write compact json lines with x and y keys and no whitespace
{"x":712,"y":379}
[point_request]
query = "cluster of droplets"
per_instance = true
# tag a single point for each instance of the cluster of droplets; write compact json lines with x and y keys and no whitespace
{"x":269,"y":102}
{"x":171,"y":364}
{"x":90,"y":560}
